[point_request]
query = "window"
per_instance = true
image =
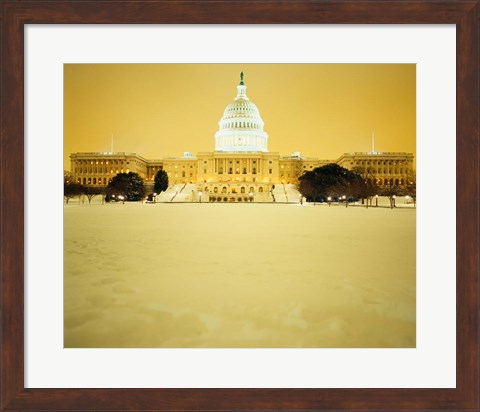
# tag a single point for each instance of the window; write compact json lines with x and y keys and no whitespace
{"x":260,"y":189}
{"x":254,"y":171}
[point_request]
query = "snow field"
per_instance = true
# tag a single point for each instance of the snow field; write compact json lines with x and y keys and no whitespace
{"x":238,"y":275}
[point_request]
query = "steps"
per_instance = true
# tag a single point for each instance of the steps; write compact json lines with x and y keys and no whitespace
{"x":286,"y":193}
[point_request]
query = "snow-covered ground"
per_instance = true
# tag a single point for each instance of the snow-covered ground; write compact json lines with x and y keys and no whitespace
{"x":238,"y":275}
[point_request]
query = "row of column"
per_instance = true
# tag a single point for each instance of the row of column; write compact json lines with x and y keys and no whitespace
{"x":224,"y":165}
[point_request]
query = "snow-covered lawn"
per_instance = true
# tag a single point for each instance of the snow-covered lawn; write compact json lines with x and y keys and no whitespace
{"x":238,"y":275}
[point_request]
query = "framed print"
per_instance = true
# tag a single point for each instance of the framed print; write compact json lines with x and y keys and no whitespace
{"x":51,"y":360}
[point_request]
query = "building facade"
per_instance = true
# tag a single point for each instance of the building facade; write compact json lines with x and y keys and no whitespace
{"x":241,"y":167}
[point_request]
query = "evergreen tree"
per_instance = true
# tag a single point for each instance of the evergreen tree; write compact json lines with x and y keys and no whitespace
{"x":326,"y":181}
{"x":130,"y":185}
{"x":161,"y":181}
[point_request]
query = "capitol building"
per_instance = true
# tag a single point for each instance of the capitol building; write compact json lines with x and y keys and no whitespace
{"x":240,"y":168}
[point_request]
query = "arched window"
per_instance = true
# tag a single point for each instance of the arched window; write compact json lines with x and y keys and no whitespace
{"x":260,"y":189}
{"x":224,"y":189}
{"x":242,"y":190}
{"x":252,"y":190}
{"x":215,"y":190}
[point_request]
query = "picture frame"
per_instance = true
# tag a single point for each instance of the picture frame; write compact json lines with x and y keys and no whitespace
{"x":464,"y":14}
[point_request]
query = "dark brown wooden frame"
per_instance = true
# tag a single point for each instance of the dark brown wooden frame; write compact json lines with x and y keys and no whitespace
{"x":16,"y":14}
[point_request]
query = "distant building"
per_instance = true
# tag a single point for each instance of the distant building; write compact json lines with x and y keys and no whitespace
{"x":383,"y":169}
{"x":240,"y":168}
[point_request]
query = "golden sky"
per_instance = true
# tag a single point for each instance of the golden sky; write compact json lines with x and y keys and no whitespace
{"x":163,"y":110}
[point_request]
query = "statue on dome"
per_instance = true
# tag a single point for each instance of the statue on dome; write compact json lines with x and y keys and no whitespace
{"x":241,"y":79}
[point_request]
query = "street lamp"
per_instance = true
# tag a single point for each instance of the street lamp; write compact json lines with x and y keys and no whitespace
{"x":329,"y":200}
{"x":394,"y":201}
{"x":200,"y":196}
{"x":251,"y":196}
{"x":345,"y":199}
{"x":376,"y":200}
{"x":154,"y":197}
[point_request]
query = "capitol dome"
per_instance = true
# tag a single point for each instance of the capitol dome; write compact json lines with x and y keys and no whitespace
{"x":241,"y":127}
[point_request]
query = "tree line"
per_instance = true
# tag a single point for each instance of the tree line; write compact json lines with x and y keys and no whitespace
{"x":333,"y":183}
{"x":124,"y":186}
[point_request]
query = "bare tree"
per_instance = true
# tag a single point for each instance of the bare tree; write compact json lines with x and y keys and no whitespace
{"x":392,"y":192}
{"x":369,"y":188}
{"x":92,"y":191}
{"x":411,"y":189}
{"x":71,"y":190}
